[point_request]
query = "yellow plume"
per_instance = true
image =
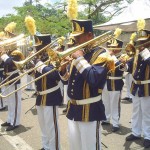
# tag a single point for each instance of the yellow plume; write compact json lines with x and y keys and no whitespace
{"x":30,"y":24}
{"x":116,"y":35}
{"x":2,"y":34}
{"x":72,"y":11}
{"x":140,"y":24}
{"x":10,"y":27}
{"x":133,"y":35}
{"x":117,"y":32}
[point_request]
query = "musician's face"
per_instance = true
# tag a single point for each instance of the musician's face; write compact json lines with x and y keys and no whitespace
{"x":83,"y":38}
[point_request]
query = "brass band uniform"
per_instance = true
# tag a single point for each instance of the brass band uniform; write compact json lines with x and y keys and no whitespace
{"x":111,"y":94}
{"x":2,"y":101}
{"x":14,"y":100}
{"x":48,"y":99}
{"x":85,"y":108}
{"x":139,"y":66}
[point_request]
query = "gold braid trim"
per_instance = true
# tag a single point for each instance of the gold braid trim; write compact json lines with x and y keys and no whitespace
{"x":113,"y":81}
{"x":86,"y":90}
{"x":135,"y":62}
{"x":146,"y":87}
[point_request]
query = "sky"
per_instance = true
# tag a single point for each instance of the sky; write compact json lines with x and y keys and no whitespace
{"x":6,"y":6}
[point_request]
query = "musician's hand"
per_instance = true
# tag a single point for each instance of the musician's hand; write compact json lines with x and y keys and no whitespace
{"x":64,"y":64}
{"x":123,"y":60}
{"x":77,"y":54}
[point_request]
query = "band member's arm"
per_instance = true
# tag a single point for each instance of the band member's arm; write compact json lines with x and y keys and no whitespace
{"x":44,"y":68}
{"x":93,"y":74}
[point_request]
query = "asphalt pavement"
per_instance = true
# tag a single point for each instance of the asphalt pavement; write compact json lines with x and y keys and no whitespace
{"x":28,"y":135}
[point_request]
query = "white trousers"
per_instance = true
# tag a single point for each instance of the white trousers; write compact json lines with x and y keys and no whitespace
{"x":66,"y":98}
{"x":141,"y":116}
{"x":128,"y":81}
{"x":3,"y":101}
{"x":14,"y":105}
{"x":84,"y":135}
{"x":48,"y":121}
{"x":111,"y":100}
{"x":29,"y":79}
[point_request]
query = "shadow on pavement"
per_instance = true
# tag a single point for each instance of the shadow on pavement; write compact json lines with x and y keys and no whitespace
{"x":16,"y":131}
{"x":107,"y":130}
{"x":139,"y":146}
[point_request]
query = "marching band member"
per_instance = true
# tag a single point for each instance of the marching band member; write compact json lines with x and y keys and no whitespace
{"x":48,"y":99}
{"x":139,"y":66}
{"x":2,"y":101}
{"x":13,"y":101}
{"x":111,"y":94}
{"x":130,"y":49}
{"x":85,"y":108}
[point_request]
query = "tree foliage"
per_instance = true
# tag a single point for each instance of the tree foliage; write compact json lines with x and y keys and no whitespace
{"x":52,"y":18}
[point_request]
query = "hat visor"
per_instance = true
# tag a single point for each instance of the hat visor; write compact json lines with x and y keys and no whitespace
{"x":76,"y":34}
{"x":142,"y":39}
{"x":113,"y":45}
{"x":35,"y":45}
{"x":69,"y":43}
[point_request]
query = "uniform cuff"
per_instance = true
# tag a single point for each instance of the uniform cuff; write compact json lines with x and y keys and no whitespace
{"x":41,"y":64}
{"x":81,"y":64}
{"x":145,"y":54}
{"x":4,"y":57}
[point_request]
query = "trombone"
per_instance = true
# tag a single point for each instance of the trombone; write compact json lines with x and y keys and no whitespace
{"x":56,"y":57}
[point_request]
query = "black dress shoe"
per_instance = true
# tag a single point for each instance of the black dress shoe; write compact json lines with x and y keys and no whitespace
{"x":42,"y":149}
{"x":3,"y":108}
{"x":105,"y":123}
{"x":5,"y":124}
{"x":146,"y":143}
{"x":131,"y":137}
{"x":11,"y":128}
{"x":130,"y":100}
{"x":126,"y":98}
{"x":115,"y":129}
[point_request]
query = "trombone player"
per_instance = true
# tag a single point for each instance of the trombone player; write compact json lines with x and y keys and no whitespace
{"x":139,"y":66}
{"x":13,"y":101}
{"x":2,"y":102}
{"x":48,"y":97}
{"x":86,"y":80}
{"x":112,"y":91}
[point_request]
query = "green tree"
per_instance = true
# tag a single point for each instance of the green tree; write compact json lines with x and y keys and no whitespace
{"x":52,"y":18}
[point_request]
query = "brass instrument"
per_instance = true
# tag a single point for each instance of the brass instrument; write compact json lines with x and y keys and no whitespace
{"x":18,"y":78}
{"x":101,"y":39}
{"x":54,"y":69}
{"x":20,"y":65}
{"x":11,"y":44}
{"x":56,"y":57}
{"x":10,"y":41}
